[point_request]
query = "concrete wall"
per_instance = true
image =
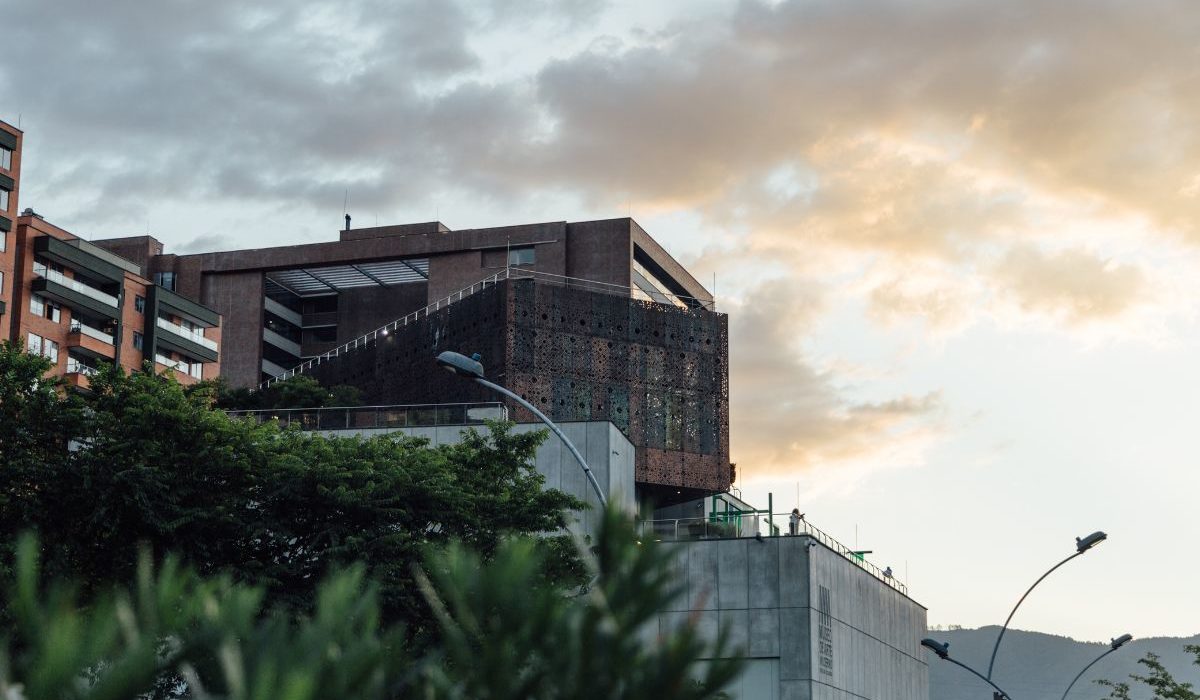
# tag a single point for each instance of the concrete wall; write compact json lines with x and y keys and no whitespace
{"x":858,"y":640}
{"x":608,"y":453}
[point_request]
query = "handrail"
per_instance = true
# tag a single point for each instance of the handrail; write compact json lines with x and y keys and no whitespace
{"x":83,"y":328}
{"x":718,"y":527}
{"x":196,"y":336}
{"x":84,"y":289}
{"x":366,"y":417}
{"x":509,"y":273}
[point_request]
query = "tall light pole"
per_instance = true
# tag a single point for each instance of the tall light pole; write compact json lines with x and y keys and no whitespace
{"x":942,"y":649}
{"x":1113,"y":646}
{"x":1081,"y":545}
{"x":472,"y":368}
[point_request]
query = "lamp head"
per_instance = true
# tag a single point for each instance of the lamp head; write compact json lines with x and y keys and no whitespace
{"x":1084,"y":544}
{"x":1122,"y":641}
{"x":460,"y":364}
{"x":942,"y":649}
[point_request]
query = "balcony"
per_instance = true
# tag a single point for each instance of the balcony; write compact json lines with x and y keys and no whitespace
{"x":75,"y":294}
{"x":182,"y":340}
{"x":373,"y":417}
{"x":91,"y":341}
{"x":78,"y":374}
{"x":289,"y":346}
{"x":77,"y":258}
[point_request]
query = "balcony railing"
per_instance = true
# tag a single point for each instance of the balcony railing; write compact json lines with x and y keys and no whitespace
{"x":76,"y":367}
{"x":365,"y":417}
{"x":753,"y":524}
{"x":84,"y":289}
{"x":196,"y":336}
{"x":77,"y":327}
{"x":178,"y":365}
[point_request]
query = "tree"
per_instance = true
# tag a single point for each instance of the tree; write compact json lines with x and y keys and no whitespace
{"x":155,"y":463}
{"x":298,"y":391}
{"x":1158,"y":680}
{"x":502,"y":633}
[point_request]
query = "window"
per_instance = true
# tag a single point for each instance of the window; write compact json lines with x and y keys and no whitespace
{"x":139,"y":304}
{"x":165,"y":280}
{"x":520,"y":256}
{"x":3,"y":241}
{"x":3,"y":199}
{"x":196,"y":370}
{"x":137,"y":340}
{"x":44,"y":308}
{"x":1,"y":281}
{"x":5,"y":158}
{"x":43,"y":346}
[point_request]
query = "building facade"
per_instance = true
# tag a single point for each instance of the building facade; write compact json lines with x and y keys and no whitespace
{"x":80,"y":305}
{"x":10,"y":187}
{"x":589,"y":321}
{"x":812,"y":623}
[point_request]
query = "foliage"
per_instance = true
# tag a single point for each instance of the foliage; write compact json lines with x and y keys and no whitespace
{"x":1158,"y":680}
{"x":299,"y":391}
{"x":156,"y":464}
{"x":501,"y":633}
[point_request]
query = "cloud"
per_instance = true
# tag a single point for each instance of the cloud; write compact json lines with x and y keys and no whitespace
{"x":1072,"y":285}
{"x":935,"y":160}
{"x":788,"y":414}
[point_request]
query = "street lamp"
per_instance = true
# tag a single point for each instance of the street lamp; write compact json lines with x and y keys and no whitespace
{"x":942,"y":649}
{"x":1113,"y":646}
{"x":1082,"y":544}
{"x":472,"y":368}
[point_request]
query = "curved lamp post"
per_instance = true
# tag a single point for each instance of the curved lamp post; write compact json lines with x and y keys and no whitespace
{"x":472,"y":368}
{"x":1081,"y":545}
{"x":1114,"y":645}
{"x":942,"y":649}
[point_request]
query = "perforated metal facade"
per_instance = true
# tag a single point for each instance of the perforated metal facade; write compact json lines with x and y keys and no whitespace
{"x":658,"y":372}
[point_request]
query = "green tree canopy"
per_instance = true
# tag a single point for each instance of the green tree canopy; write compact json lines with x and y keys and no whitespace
{"x":150,"y":462}
{"x":502,"y":633}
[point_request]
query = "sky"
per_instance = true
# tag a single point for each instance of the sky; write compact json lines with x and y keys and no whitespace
{"x":958,"y":241}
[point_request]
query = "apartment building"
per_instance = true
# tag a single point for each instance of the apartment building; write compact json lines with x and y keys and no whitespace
{"x":79,"y":305}
{"x":10,"y":180}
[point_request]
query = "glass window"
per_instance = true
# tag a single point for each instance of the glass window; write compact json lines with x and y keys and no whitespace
{"x":3,"y":241}
{"x":139,"y":303}
{"x":53,"y":311}
{"x":35,"y":344}
{"x":50,"y":350}
{"x":5,"y":158}
{"x":521,"y":256}
{"x":196,"y":369}
{"x":137,"y":340}
{"x":3,"y":199}
{"x":1,"y":281}
{"x":165,"y":280}
{"x":37,"y":305}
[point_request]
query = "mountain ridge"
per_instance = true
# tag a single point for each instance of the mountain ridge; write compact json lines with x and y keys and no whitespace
{"x":1038,"y":666}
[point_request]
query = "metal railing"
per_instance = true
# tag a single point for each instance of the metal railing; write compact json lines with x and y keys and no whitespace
{"x":364,"y":417}
{"x":510,"y":273}
{"x":752,"y":524}
{"x":84,"y":289}
{"x":76,"y":367}
{"x":84,"y":329}
{"x":196,"y":336}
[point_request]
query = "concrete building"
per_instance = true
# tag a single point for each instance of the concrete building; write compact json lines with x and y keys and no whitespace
{"x":815,"y":623}
{"x":609,"y":454}
{"x":815,"y":620}
{"x":10,"y":188}
{"x":589,"y":321}
{"x":79,"y":305}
